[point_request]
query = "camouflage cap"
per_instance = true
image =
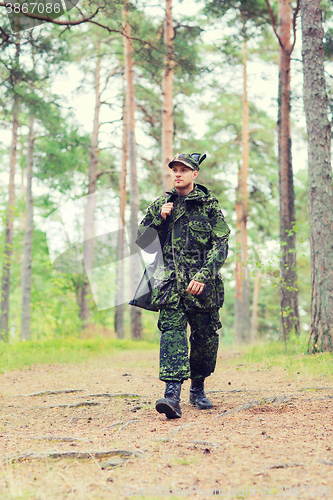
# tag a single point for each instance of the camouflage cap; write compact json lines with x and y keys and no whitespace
{"x":189,"y":160}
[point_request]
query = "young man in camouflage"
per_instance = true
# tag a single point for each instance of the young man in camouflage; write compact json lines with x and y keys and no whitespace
{"x":187,"y":285}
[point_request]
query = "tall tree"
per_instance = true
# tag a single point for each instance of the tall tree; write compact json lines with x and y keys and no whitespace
{"x":245,"y":17}
{"x":136,"y":325}
{"x":29,"y":222}
{"x":225,"y":113}
{"x":260,"y":11}
{"x":175,"y":63}
{"x":167,"y":91}
{"x":242,"y":292}
{"x":95,"y":45}
{"x":27,"y":250}
{"x":288,"y":273}
{"x":34,"y":97}
{"x":5,"y":284}
{"x":119,"y":312}
{"x":320,"y":178}
{"x":89,"y":221}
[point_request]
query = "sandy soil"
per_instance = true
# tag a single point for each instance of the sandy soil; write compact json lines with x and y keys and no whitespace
{"x":280,"y":449}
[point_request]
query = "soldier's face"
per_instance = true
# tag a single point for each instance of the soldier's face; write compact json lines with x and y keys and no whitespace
{"x":182,"y":177}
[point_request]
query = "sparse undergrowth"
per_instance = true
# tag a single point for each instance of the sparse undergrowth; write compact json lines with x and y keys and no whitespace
{"x":17,"y":355}
{"x":296,"y":361}
{"x":263,"y":355}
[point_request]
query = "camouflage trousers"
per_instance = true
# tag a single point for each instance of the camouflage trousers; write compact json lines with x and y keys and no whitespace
{"x":204,"y":341}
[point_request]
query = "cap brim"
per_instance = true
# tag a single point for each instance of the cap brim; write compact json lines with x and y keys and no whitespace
{"x":184,"y":162}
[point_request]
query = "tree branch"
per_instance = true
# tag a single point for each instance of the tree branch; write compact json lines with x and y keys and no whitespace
{"x":81,"y":21}
{"x":40,"y":17}
{"x":4,"y":35}
{"x":105,"y":172}
{"x":112,"y":73}
{"x":112,"y":121}
{"x":294,"y":24}
{"x":271,"y":13}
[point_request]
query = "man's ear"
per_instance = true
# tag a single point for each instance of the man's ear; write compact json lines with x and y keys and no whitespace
{"x":195,"y":174}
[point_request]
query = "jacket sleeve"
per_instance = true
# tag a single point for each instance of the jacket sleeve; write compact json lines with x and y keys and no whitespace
{"x":217,"y":255}
{"x":150,"y":227}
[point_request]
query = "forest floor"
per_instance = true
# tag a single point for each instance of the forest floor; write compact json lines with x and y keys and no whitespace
{"x":268,"y":435}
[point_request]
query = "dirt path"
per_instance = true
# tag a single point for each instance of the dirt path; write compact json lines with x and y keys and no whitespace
{"x":264,"y":433}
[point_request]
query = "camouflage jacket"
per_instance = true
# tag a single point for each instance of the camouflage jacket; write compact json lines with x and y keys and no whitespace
{"x":196,"y":247}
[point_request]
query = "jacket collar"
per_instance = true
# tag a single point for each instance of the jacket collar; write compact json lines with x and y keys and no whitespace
{"x":199,"y":192}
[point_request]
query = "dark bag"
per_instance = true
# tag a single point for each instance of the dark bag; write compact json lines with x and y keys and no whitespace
{"x":142,"y":296}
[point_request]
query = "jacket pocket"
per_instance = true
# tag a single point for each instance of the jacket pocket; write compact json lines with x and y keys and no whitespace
{"x":198,"y":234}
{"x":205,"y":300}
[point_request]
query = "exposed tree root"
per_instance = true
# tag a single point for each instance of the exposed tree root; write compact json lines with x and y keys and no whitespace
{"x":114,"y":395}
{"x":72,"y":405}
{"x":78,"y":455}
{"x":46,"y":393}
{"x":251,"y":404}
{"x":59,"y":438}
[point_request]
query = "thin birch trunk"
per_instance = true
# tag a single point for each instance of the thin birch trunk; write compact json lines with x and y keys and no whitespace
{"x":320,"y":178}
{"x":89,"y":223}
{"x":119,"y":314}
{"x":167,"y":106}
{"x":28,"y":235}
{"x":136,"y":326}
{"x":5,"y":284}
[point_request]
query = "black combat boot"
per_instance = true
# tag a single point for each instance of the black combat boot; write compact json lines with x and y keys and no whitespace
{"x":170,"y":403}
{"x":198,"y":396}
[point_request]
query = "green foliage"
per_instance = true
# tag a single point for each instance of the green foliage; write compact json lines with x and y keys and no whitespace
{"x":326,"y":8}
{"x":254,"y":10}
{"x":60,"y":153}
{"x":186,"y":53}
{"x":328,"y":44}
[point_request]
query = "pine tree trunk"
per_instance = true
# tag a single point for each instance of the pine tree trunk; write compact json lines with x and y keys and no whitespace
{"x":27,"y":253}
{"x":288,"y":273}
{"x":320,"y":178}
{"x":242,"y":295}
{"x":136,"y":326}
{"x":89,"y":223}
{"x":119,"y":313}
{"x":5,"y":285}
{"x":167,"y":89}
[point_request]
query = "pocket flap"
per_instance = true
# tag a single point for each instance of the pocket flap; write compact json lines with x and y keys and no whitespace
{"x":200,"y":225}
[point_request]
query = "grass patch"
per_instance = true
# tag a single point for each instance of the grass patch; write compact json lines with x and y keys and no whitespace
{"x":296,"y":362}
{"x":71,"y":350}
{"x":185,"y":461}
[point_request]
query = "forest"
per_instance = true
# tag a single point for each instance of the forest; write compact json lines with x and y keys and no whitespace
{"x":97,"y":98}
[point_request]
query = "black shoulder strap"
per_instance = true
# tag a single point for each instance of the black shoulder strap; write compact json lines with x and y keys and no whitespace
{"x":165,"y":230}
{"x":167,"y":224}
